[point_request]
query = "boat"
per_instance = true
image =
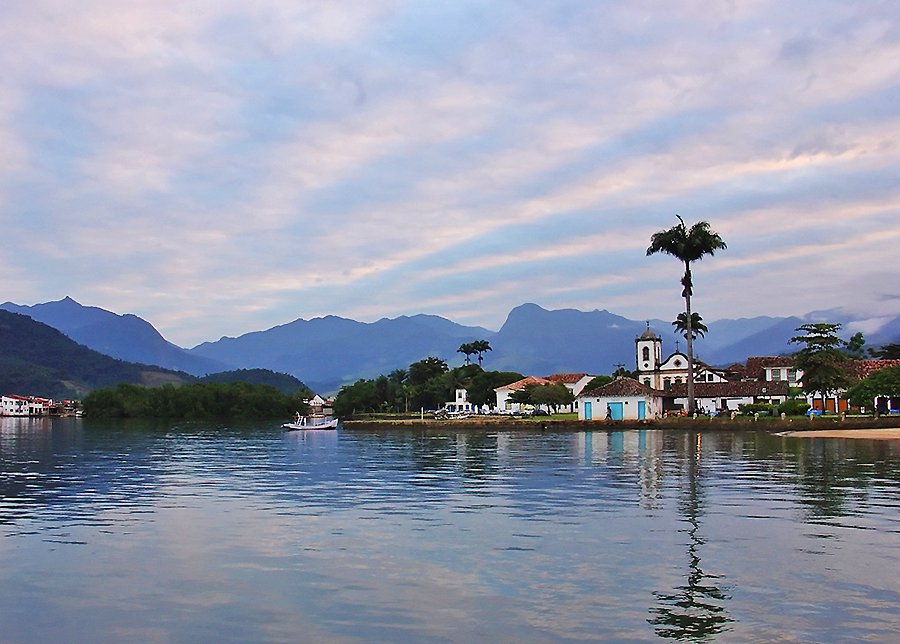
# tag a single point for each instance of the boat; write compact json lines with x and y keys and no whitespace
{"x":302,"y":423}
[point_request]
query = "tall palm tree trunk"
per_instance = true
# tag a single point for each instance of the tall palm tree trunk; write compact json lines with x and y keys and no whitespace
{"x":690,"y":337}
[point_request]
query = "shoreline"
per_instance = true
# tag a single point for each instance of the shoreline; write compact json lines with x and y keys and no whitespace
{"x":885,"y":428}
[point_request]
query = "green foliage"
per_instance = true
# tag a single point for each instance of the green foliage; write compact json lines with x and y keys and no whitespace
{"x":551,"y":395}
{"x":881,"y":383}
{"x":478,"y":347}
{"x":886,"y":352}
{"x":597,"y":382}
{"x":481,"y":387}
{"x":428,"y":384}
{"x":687,"y":245}
{"x":822,"y":360}
{"x":698,"y":329}
{"x":39,"y":360}
{"x":763,"y":409}
{"x":855,"y":347}
{"x":197,"y":401}
{"x":424,"y":370}
{"x":283,"y":382}
{"x":793,"y":407}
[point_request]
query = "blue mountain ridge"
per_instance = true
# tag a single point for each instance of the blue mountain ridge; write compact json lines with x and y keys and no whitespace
{"x":328,"y":352}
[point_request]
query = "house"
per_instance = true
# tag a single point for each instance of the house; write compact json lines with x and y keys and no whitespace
{"x":13,"y":405}
{"x":460,"y":404}
{"x":762,"y":379}
{"x":727,"y":396}
{"x":503,"y":393}
{"x":621,"y":399}
{"x":574,"y":382}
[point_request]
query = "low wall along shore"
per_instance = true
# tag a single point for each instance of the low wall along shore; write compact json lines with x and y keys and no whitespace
{"x":822,"y":427}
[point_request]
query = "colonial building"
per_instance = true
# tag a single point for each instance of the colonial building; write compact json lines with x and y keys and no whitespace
{"x":621,"y":399}
{"x":664,"y":374}
{"x":574,"y":382}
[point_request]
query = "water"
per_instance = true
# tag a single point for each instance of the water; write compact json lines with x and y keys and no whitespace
{"x":199,"y":533}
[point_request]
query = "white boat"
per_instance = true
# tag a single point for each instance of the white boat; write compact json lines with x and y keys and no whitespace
{"x":302,"y":422}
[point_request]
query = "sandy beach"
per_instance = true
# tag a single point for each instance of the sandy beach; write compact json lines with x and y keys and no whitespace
{"x":888,"y":433}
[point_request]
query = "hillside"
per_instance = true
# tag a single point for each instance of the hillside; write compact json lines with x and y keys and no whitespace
{"x":126,"y":337}
{"x":39,"y":360}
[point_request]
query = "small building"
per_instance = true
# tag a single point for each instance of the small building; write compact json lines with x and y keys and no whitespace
{"x":13,"y":405}
{"x":621,"y":399}
{"x":727,"y":396}
{"x":503,"y":393}
{"x":460,"y":405}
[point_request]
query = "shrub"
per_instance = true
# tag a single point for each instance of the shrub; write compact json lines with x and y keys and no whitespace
{"x":793,"y":407}
{"x":763,"y":409}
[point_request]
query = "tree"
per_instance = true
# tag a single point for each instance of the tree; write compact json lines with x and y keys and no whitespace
{"x":696,"y":326}
{"x":687,"y":246}
{"x":856,"y":346}
{"x":479,"y":347}
{"x":886,"y":352}
{"x":884,"y":383}
{"x":598,"y":381}
{"x":822,"y":360}
{"x":424,"y":370}
{"x":468,"y":349}
{"x":481,"y":388}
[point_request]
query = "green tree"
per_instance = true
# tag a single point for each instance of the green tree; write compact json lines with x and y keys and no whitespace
{"x":822,"y":360}
{"x":687,"y":245}
{"x":886,"y":352}
{"x":884,"y":383}
{"x":468,"y":349}
{"x":424,"y":370}
{"x":482,"y":386}
{"x":856,"y":346}
{"x":480,"y":346}
{"x":695,"y":326}
{"x":598,"y":381}
{"x":553,"y":396}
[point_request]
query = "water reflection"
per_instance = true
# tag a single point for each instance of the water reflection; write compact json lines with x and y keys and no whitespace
{"x":695,"y":610}
{"x":250,"y":533}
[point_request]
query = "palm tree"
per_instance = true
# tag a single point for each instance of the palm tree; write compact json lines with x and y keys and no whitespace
{"x":468,"y":349}
{"x":479,"y":347}
{"x":696,"y":325}
{"x":687,"y":246}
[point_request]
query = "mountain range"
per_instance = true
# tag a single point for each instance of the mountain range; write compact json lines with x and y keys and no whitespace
{"x":328,"y":352}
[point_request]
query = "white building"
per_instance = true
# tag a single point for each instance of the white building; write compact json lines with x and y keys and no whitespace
{"x":460,"y":404}
{"x":621,"y":399}
{"x":663,"y":374}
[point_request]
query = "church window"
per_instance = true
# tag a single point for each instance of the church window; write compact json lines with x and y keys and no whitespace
{"x":646,"y":353}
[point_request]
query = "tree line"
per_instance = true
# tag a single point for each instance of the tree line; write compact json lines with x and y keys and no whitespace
{"x":195,"y":401}
{"x":425,"y":384}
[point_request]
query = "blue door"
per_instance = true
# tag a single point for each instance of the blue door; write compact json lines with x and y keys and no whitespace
{"x":588,"y":411}
{"x":617,"y":410}
{"x":642,"y":409}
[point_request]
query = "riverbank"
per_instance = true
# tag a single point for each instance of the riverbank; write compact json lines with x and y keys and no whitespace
{"x":824,"y":427}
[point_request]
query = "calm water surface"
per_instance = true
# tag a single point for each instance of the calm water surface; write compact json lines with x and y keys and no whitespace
{"x":202,"y":533}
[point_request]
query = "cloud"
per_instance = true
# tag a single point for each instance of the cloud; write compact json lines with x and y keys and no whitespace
{"x":288,"y":159}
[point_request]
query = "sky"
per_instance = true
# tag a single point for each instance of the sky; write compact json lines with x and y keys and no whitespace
{"x":221,"y":166}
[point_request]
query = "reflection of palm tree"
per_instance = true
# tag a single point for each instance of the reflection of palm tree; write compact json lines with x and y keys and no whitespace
{"x":694,"y":610}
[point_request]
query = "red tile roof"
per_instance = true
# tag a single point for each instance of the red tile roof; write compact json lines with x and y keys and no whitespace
{"x":863,"y":368}
{"x":524,"y":382}
{"x":621,"y":387}
{"x":731,"y":389}
{"x":756,"y":365}
{"x":566,"y":378}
